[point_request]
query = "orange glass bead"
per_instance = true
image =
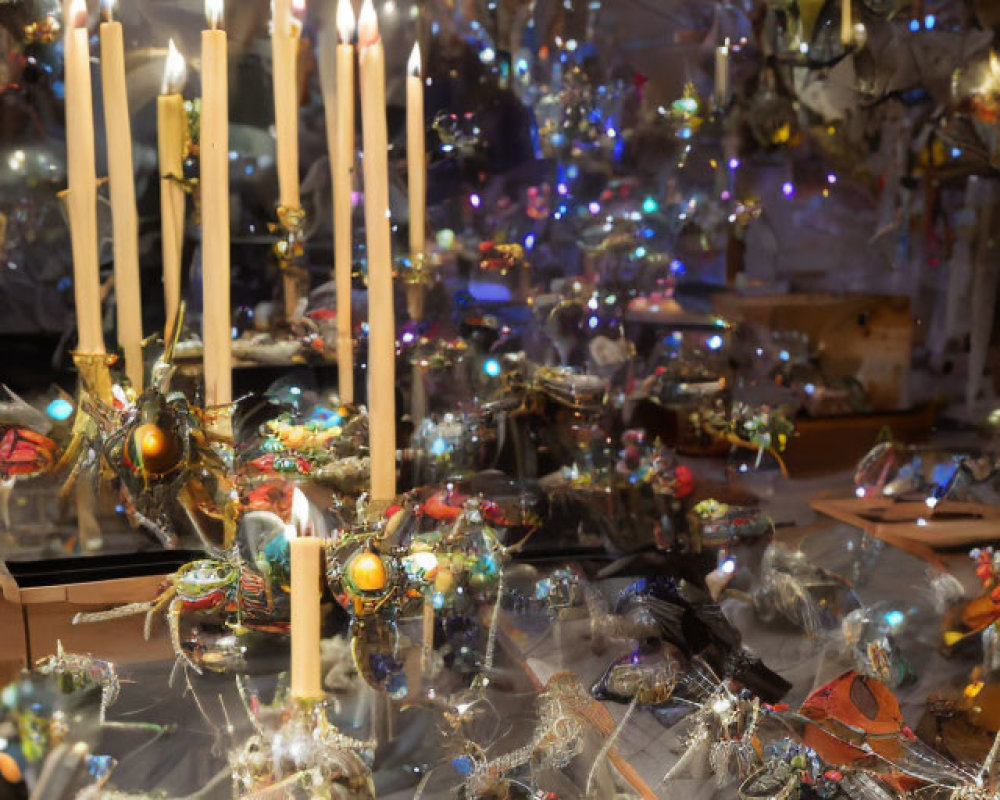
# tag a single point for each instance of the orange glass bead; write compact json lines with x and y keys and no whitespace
{"x":367,"y":572}
{"x":9,"y":769}
{"x":158,"y":450}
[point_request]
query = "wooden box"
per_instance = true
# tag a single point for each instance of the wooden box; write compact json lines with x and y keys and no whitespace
{"x":823,"y":445}
{"x":869,"y":337}
{"x":33,"y":618}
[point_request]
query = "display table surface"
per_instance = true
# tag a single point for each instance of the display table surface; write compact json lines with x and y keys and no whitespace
{"x":185,"y":760}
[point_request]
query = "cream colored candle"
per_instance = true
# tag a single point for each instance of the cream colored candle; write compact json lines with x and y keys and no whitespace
{"x":416,"y":159}
{"x":846,"y":23}
{"x":171,"y":127}
{"x":337,"y":78}
{"x":722,"y":75}
{"x":81,"y":194}
{"x":416,"y":173}
{"x":381,"y":316}
{"x":286,"y":26}
{"x":125,"y":222}
{"x":285,"y":29}
{"x":215,"y":323}
{"x":305,"y":617}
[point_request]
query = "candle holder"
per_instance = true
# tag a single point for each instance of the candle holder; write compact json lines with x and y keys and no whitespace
{"x":155,"y":444}
{"x":365,"y":575}
{"x":290,"y":228}
{"x":95,"y":373}
{"x":417,"y":272}
{"x":297,"y":747}
{"x":247,"y":581}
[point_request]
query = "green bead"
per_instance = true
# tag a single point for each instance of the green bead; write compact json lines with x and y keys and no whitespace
{"x":477,"y":580}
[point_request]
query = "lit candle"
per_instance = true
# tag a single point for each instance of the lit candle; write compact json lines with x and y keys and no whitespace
{"x":118,"y":132}
{"x":171,"y":127}
{"x":214,"y":149}
{"x":305,"y":554}
{"x":286,"y":26}
{"x":81,"y":195}
{"x":416,"y":171}
{"x":846,"y":23}
{"x":338,"y":101}
{"x":722,"y":75}
{"x":381,"y":316}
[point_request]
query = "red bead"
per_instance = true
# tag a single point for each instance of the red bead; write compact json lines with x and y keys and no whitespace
{"x":833,"y":775}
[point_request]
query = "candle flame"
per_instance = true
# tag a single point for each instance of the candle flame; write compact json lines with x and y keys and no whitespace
{"x":345,"y":21}
{"x":78,"y":13}
{"x":413,"y":66}
{"x":299,"y":8}
{"x":995,"y":68}
{"x":367,"y":24}
{"x":214,"y":13}
{"x":108,"y":10}
{"x":174,"y":70}
{"x":301,"y":513}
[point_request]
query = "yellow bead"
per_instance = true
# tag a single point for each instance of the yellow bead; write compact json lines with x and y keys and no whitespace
{"x":367,"y":573}
{"x":444,"y":580}
{"x":295,"y":436}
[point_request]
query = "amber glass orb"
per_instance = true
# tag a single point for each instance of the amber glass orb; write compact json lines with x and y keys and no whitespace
{"x":158,"y":449}
{"x":367,"y":573}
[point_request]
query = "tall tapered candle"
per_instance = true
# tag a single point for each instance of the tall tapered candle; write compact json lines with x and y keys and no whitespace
{"x":214,"y":150}
{"x":846,"y":23}
{"x":305,"y":616}
{"x":337,"y":77}
{"x":722,"y":75}
{"x":416,"y":174}
{"x":171,"y":125}
{"x":81,"y":195}
{"x":286,"y":27}
{"x":124,"y":219}
{"x":381,"y":316}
